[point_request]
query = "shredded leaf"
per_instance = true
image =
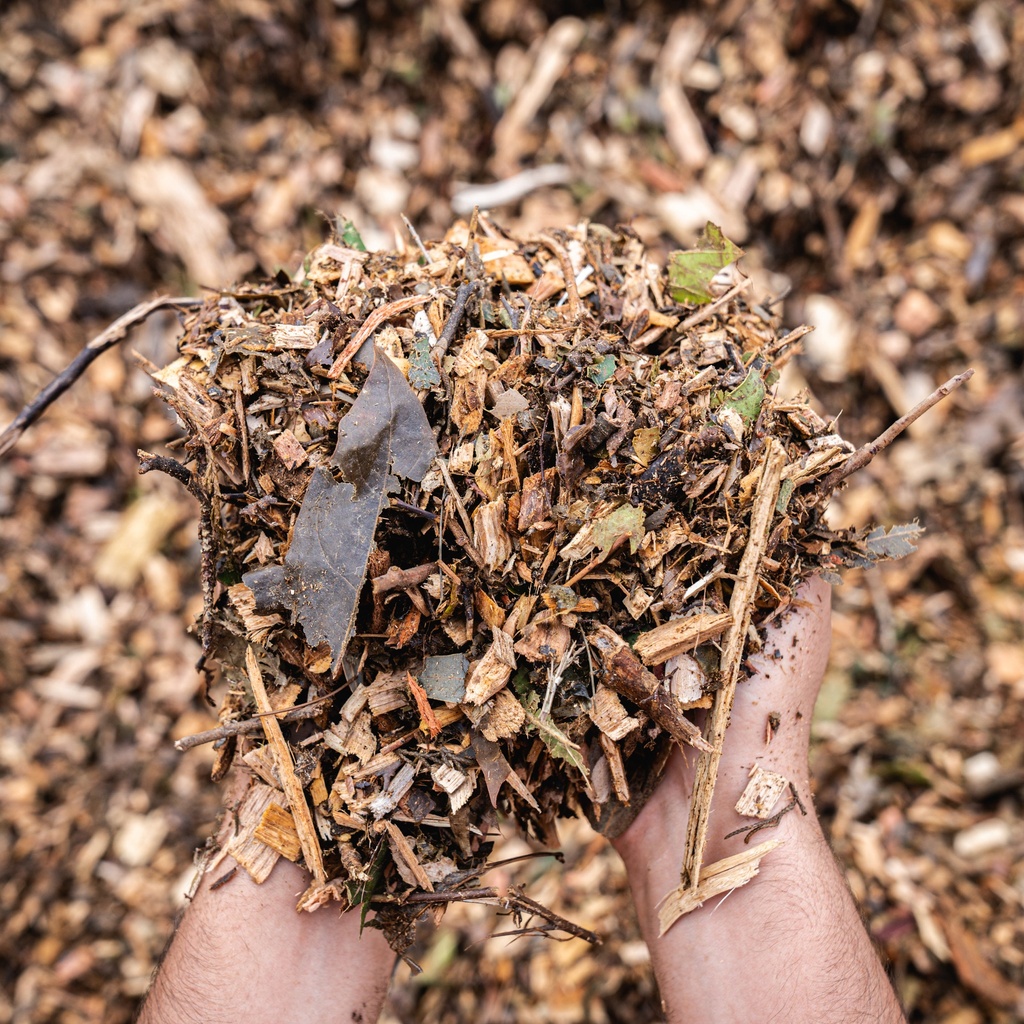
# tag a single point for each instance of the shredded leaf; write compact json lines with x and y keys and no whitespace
{"x":746,"y":399}
{"x":899,"y":542}
{"x":320,"y":581}
{"x":422,"y":371}
{"x":690,"y":272}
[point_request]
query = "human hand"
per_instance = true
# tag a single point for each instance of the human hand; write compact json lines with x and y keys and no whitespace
{"x":785,"y":682}
{"x":788,"y":945}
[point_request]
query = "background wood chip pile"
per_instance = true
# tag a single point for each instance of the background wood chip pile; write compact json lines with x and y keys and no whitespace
{"x":869,"y":154}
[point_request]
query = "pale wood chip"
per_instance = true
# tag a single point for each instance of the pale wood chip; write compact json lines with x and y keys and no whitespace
{"x":505,"y":717}
{"x":277,"y":829}
{"x":722,"y":876}
{"x":358,"y":739}
{"x":613,"y":755}
{"x":678,"y":636}
{"x":490,"y":537}
{"x":761,"y":793}
{"x":492,"y":672}
{"x":256,"y":857}
{"x":405,"y":859}
{"x":608,"y":714}
{"x":257,"y":627}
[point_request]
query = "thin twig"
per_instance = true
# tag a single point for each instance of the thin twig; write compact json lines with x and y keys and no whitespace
{"x":862,"y":456}
{"x":510,"y":899}
{"x":713,"y":307}
{"x":107,"y":338}
{"x":241,"y":728}
{"x":462,"y":296}
{"x":416,"y":237}
{"x":376,"y":319}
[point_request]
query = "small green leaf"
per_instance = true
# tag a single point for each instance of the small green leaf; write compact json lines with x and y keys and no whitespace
{"x":746,"y":398}
{"x":360,"y":891}
{"x":559,"y":745}
{"x":351,"y":237}
{"x":690,"y":272}
{"x":785,"y":493}
{"x":601,"y":372}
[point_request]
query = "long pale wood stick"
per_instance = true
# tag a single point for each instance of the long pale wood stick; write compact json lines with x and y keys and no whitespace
{"x":304,"y":825}
{"x":732,"y":657}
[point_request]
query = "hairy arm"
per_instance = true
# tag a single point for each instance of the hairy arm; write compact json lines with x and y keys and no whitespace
{"x":788,"y":946}
{"x":243,"y":953}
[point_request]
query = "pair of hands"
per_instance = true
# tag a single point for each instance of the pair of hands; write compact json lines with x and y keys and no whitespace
{"x":787,"y":946}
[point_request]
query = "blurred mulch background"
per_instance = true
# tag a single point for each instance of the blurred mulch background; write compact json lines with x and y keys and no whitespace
{"x":869,"y":156}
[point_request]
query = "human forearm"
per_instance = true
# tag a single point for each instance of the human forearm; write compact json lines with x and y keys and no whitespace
{"x":787,"y":946}
{"x":243,"y":953}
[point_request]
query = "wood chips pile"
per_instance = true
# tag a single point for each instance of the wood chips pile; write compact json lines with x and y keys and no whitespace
{"x":441,"y":490}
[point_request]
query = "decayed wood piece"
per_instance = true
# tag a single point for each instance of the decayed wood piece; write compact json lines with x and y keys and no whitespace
{"x":623,"y":673}
{"x":723,"y":875}
{"x":286,"y":771}
{"x":678,"y":636}
{"x":732,"y":656}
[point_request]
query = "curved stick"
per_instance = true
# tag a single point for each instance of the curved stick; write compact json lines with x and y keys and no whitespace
{"x":107,"y":338}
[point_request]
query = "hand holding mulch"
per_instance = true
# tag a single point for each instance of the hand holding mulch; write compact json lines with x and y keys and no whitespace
{"x":792,"y":939}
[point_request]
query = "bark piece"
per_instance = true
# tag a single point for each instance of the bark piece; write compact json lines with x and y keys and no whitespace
{"x":677,"y":636}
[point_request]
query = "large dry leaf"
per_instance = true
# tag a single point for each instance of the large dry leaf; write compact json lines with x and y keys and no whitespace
{"x":385,"y":433}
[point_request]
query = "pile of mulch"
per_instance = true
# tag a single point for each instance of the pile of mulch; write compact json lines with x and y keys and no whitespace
{"x":439,"y":489}
{"x":871,"y":158}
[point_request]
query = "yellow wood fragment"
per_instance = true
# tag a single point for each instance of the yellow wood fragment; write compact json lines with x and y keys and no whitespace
{"x":722,"y":876}
{"x":277,"y":830}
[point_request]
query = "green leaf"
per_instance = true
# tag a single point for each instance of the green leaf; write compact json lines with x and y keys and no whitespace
{"x":785,"y":493}
{"x":351,"y":237}
{"x":601,"y":372}
{"x":360,"y":891}
{"x":626,"y":520}
{"x":690,"y":272}
{"x":559,"y":745}
{"x":746,"y":398}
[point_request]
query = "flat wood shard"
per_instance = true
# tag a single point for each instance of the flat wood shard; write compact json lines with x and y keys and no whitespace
{"x":722,"y":876}
{"x":762,"y":793}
